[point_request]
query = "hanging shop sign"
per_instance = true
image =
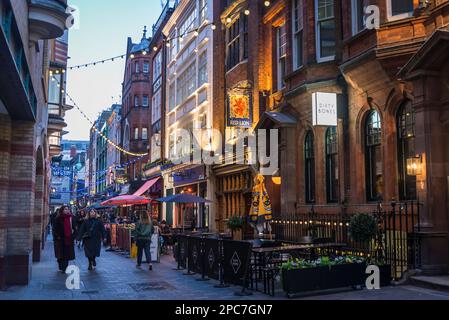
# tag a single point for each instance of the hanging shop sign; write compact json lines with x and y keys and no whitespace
{"x":239,"y":113}
{"x":324,"y":109}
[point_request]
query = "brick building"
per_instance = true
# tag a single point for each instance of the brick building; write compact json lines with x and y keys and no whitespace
{"x":136,"y":112}
{"x":25,"y":54}
{"x":390,"y":84}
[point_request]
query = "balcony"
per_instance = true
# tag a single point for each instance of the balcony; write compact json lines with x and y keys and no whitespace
{"x":47,"y":19}
{"x":55,"y":123}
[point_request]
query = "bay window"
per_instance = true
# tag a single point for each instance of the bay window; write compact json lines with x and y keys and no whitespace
{"x":399,"y":9}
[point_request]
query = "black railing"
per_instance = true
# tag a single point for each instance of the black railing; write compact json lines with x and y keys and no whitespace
{"x":397,"y":243}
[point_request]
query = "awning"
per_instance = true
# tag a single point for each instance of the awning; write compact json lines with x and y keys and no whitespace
{"x":146,"y":186}
{"x":276,"y":119}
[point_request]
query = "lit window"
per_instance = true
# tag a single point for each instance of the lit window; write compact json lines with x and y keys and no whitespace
{"x":373,"y":157}
{"x":136,"y":134}
{"x":325,"y":30}
{"x":237,"y":42}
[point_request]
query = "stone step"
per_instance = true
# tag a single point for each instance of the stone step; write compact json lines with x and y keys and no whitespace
{"x":440,"y":283}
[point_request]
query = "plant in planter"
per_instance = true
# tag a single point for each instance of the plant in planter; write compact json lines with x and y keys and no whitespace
{"x":365,"y":228}
{"x":235,"y":223}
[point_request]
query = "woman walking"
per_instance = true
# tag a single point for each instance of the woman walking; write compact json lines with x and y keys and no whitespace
{"x":143,"y":233}
{"x":64,"y":236}
{"x":92,"y":232}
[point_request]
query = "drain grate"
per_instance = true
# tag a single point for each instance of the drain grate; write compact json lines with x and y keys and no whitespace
{"x":153,"y":286}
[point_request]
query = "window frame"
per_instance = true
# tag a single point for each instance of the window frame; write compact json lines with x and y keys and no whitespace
{"x":406,"y":148}
{"x":309,"y":168}
{"x":355,"y":16}
{"x":396,"y":17}
{"x":281,"y":58}
{"x":373,"y":148}
{"x":136,"y":101}
{"x":318,"y":35}
{"x":332,"y":169}
{"x":239,"y":43}
{"x":147,"y":98}
{"x":298,"y":32}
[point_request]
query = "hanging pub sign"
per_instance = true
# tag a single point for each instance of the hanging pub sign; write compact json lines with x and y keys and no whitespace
{"x":239,"y":113}
{"x":324,"y":109}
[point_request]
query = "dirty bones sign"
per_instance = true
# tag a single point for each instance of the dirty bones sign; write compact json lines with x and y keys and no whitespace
{"x":324,"y":109}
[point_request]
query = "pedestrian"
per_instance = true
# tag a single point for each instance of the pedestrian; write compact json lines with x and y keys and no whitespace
{"x":92,"y":232}
{"x":80,"y":217}
{"x":64,"y":236}
{"x":143,"y":233}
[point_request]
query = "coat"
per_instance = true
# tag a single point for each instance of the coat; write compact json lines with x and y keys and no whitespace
{"x":96,"y":231}
{"x":143,"y":233}
{"x":62,"y":250}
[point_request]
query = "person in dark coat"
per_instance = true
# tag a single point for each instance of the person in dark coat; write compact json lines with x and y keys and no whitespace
{"x":64,"y":238}
{"x":79,"y":220}
{"x":92,"y":232}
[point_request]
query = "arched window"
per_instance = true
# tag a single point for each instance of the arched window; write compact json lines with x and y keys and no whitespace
{"x":332,"y":165}
{"x":373,"y":156}
{"x":309,"y":156}
{"x":406,"y":149}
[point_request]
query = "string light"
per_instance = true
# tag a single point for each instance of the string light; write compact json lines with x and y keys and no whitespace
{"x":267,"y":3}
{"x":145,"y":50}
{"x":101,"y":133}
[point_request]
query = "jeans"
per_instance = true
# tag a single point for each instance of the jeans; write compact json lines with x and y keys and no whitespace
{"x":141,"y":246}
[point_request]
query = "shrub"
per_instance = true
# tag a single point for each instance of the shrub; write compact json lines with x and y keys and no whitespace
{"x":363,"y":228}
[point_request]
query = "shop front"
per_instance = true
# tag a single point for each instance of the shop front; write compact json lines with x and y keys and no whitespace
{"x":191,"y":180}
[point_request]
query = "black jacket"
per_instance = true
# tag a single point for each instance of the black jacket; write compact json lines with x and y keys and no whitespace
{"x":91,"y":232}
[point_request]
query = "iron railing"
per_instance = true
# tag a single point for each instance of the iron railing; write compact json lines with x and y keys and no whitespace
{"x":397,"y":243}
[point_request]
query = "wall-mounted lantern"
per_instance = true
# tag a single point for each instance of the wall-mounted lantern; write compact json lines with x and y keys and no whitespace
{"x":414,"y":166}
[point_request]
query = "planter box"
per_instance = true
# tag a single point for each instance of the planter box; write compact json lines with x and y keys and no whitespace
{"x":385,"y":275}
{"x":323,"y":278}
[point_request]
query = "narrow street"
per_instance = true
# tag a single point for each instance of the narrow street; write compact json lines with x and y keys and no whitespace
{"x":116,"y":278}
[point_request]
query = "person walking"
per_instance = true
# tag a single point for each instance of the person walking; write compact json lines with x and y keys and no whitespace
{"x":79,"y":220}
{"x":143,"y":233}
{"x":92,"y":232}
{"x":64,"y":236}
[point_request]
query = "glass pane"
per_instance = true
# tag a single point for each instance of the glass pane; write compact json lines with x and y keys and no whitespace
{"x":325,"y":9}
{"x":327,"y":38}
{"x":401,"y":6}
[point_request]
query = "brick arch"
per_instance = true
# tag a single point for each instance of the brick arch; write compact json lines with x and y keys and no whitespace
{"x":38,"y":215}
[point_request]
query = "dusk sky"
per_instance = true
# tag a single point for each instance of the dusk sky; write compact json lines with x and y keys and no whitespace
{"x":103,"y":31}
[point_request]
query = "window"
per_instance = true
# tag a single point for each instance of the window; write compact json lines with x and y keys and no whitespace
{"x":54,"y":94}
{"x":146,"y":67}
{"x":298,"y":27}
{"x":373,"y":156}
{"x":136,"y":133}
{"x":137,"y":66}
{"x":156,"y":108}
{"x":173,"y":45}
{"x":332,"y":165}
{"x":136,"y":101}
{"x":406,"y":149}
{"x":202,"y":69}
{"x":281,"y":55}
{"x":186,"y":27}
{"x":157,"y":71}
{"x":399,"y":9}
{"x":144,"y":133}
{"x":237,"y":48}
{"x":186,"y":84}
{"x":309,"y":157}
{"x":203,"y":10}
{"x":358,"y":16}
{"x":325,"y":30}
{"x":145,"y":101}
{"x":171,"y":97}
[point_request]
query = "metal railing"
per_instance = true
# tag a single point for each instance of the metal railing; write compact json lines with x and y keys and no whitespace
{"x":397,"y":242}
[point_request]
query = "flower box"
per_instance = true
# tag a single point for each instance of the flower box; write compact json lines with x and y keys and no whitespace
{"x":323,"y":278}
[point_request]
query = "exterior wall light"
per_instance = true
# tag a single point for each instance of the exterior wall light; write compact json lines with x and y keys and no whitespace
{"x":414,"y":166}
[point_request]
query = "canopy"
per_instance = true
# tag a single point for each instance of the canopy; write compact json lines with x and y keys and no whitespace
{"x":146,"y":186}
{"x":126,"y":200}
{"x":184,"y":198}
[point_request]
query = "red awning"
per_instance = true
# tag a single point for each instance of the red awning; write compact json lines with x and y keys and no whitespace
{"x":146,"y":186}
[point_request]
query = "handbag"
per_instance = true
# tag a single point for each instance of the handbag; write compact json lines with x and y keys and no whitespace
{"x":88,"y":233}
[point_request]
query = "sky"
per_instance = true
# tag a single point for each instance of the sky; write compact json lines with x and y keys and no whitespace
{"x":103,"y":29}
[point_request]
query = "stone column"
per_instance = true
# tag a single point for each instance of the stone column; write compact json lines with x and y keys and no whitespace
{"x":287,"y":154}
{"x":432,"y":185}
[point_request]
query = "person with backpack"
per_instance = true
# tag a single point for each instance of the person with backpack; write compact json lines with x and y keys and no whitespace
{"x":92,"y":232}
{"x":143,"y":233}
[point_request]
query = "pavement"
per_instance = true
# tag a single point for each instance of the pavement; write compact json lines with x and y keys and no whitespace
{"x":116,"y":278}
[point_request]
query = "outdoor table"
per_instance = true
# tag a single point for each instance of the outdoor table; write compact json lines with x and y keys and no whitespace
{"x":265,"y":259}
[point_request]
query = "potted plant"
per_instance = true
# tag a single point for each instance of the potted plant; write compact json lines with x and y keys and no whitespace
{"x":235,"y":224}
{"x":300,"y":275}
{"x":364,"y":228}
